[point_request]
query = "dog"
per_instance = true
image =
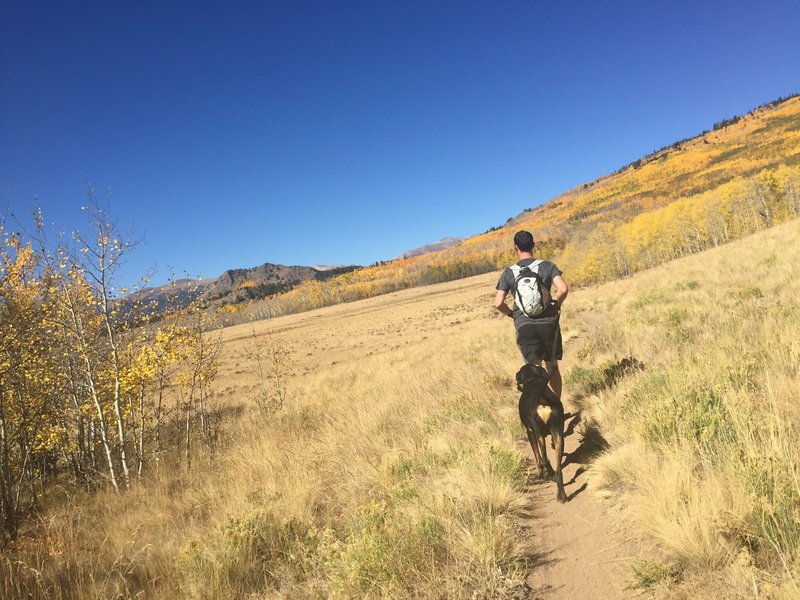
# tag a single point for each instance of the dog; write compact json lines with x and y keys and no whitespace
{"x":542,"y":412}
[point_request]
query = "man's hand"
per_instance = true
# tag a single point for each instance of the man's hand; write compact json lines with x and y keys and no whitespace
{"x":500,"y":304}
{"x":561,"y":291}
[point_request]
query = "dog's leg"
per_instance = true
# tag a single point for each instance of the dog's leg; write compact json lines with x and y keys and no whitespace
{"x":532,"y":438}
{"x":543,"y":450}
{"x":557,"y":431}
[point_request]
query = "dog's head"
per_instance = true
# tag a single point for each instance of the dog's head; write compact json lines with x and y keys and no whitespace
{"x":532,"y":379}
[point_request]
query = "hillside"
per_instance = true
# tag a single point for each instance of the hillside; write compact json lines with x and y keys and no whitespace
{"x":739,"y":177}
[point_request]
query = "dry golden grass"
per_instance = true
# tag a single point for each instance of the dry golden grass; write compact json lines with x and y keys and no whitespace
{"x":391,"y":471}
{"x":704,"y":448}
{"x":394,"y":470}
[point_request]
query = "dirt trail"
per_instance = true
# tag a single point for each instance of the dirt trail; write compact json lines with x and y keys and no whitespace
{"x":577,"y":551}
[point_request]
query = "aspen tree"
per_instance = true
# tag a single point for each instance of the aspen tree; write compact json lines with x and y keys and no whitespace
{"x":16,"y":263}
{"x":201,"y":349}
{"x":99,"y":260}
{"x":82,"y":328}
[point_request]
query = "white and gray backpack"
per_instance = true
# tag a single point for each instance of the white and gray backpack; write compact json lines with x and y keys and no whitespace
{"x":530,"y":294}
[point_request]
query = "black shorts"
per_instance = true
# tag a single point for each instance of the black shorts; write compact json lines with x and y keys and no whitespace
{"x":537,"y":338}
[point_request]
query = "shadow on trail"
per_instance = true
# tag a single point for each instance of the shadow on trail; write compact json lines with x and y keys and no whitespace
{"x":592,"y":443}
{"x":569,"y":429}
{"x":578,"y":472}
{"x":578,"y":491}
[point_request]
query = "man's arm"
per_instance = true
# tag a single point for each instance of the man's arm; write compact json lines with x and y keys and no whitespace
{"x":562,"y":289}
{"x":500,"y":303}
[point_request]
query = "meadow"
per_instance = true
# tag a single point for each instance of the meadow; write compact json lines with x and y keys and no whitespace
{"x":373,"y":449}
{"x":391,"y":470}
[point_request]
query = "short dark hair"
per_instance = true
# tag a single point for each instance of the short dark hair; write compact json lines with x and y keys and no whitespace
{"x":524,"y":241}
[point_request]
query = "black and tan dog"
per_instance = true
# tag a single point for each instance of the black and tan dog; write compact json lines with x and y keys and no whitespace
{"x":541,"y":412}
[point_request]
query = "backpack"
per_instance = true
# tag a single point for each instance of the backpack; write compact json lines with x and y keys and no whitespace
{"x":530,"y":294}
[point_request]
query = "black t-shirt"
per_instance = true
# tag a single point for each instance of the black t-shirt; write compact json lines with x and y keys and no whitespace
{"x":546,"y":270}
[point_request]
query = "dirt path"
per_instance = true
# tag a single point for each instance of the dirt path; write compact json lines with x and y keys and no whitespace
{"x":577,"y":551}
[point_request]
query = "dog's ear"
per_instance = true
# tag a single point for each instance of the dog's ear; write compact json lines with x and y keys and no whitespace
{"x":521,"y":378}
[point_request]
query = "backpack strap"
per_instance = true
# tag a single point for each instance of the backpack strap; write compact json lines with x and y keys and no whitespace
{"x":517,"y":269}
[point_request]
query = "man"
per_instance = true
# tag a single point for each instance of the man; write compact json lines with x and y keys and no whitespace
{"x":539,"y":337}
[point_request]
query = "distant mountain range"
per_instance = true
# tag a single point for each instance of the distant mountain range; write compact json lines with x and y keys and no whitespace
{"x":235,"y":285}
{"x":240,"y":285}
{"x":442,"y":244}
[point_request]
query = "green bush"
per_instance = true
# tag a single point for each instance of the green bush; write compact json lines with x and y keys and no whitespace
{"x":650,"y":298}
{"x":584,"y":381}
{"x":749,"y":292}
{"x":510,"y":466}
{"x":687,"y":285}
{"x":255,"y":551}
{"x":672,"y":412}
{"x":649,"y":573}
{"x":385,"y":550}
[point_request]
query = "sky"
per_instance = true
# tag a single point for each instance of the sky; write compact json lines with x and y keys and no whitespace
{"x":229,"y":135}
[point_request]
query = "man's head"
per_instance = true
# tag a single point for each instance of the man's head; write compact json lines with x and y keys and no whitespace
{"x":523,"y":241}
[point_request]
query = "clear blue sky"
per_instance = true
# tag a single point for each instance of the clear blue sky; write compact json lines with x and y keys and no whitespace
{"x":348,"y":132}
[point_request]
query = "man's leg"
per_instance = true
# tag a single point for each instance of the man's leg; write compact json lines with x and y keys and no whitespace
{"x":534,"y":344}
{"x":555,"y":379}
{"x":554,"y":353}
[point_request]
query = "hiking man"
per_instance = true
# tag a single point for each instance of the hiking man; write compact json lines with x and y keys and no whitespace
{"x":539,"y":290}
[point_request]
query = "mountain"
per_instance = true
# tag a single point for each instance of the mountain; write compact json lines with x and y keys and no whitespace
{"x":238,"y":285}
{"x":235,"y":285}
{"x":442,"y":244}
{"x":176,"y":294}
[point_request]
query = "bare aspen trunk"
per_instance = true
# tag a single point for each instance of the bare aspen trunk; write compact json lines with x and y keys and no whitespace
{"x":101,"y":423}
{"x":188,"y":432}
{"x":763,"y":209}
{"x":23,"y":449}
{"x":159,"y":413}
{"x":69,"y":456}
{"x":141,"y":431}
{"x":92,"y":444}
{"x":83,"y":451}
{"x":134,"y":427}
{"x":118,"y":400}
{"x":793,"y":198}
{"x":121,"y":434}
{"x":203,"y":416}
{"x":6,"y":485}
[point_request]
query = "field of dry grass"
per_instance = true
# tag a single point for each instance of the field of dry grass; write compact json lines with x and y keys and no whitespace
{"x":395,"y":467}
{"x":703,"y":434}
{"x":391,"y":471}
